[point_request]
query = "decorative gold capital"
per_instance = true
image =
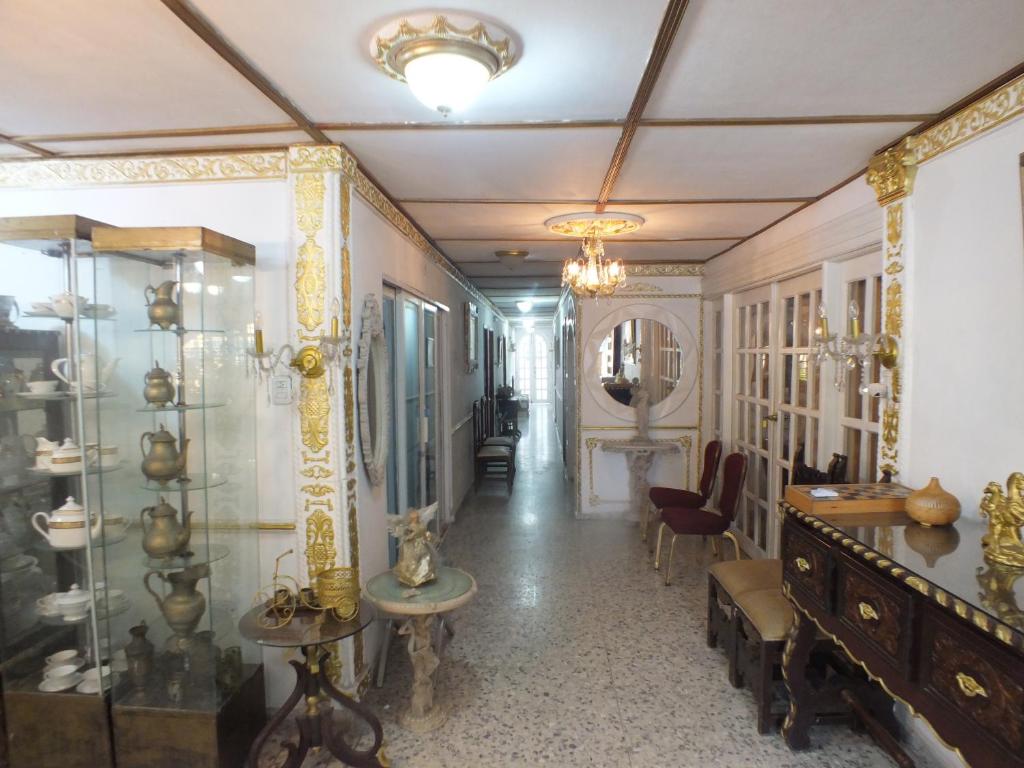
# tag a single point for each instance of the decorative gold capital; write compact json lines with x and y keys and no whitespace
{"x":891,"y":173}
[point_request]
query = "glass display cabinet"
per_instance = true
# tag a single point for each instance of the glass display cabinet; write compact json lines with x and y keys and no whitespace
{"x":128,"y":544}
{"x":186,"y":689}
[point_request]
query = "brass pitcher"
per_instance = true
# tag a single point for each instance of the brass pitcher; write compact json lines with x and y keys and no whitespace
{"x":163,"y":310}
{"x":159,"y":390}
{"x":165,"y":536}
{"x":139,"y":653}
{"x":184,"y":607}
{"x":163,"y":463}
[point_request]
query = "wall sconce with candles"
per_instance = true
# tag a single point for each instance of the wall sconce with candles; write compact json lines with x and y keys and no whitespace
{"x":855,"y":348}
{"x":311,"y":360}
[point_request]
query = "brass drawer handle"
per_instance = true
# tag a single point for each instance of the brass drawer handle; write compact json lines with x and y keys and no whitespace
{"x":802,"y":565}
{"x":868,"y":612}
{"x":969,"y":686}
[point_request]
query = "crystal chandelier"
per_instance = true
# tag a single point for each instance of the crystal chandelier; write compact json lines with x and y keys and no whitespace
{"x":590,"y":274}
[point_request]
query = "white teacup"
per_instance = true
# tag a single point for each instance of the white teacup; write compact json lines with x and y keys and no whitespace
{"x":63,"y":676}
{"x":61,"y":657}
{"x":41,"y":387}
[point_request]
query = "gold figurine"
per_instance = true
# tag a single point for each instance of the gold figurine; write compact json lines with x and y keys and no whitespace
{"x":1005,"y":513}
{"x":417,"y":558}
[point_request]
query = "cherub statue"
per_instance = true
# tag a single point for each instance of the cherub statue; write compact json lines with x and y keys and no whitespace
{"x":1005,"y":513}
{"x":417,"y":557}
{"x":640,"y":399}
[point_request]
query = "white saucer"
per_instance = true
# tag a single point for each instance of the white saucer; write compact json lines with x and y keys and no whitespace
{"x":75,"y":661}
{"x":48,"y":686}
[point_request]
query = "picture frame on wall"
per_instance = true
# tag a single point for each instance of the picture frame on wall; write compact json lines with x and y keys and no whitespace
{"x":471,"y":329}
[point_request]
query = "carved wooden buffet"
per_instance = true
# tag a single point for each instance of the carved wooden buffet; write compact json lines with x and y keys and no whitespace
{"x":922,"y":612}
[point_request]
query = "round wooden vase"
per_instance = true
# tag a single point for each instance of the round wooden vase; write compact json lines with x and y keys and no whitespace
{"x":933,"y":505}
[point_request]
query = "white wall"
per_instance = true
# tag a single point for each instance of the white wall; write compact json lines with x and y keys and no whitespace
{"x":964,"y":318}
{"x":381,"y":254}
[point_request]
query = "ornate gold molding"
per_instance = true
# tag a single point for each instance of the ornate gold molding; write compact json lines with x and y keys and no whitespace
{"x":234,"y":166}
{"x":320,"y":158}
{"x":634,"y":288}
{"x":995,"y":109}
{"x":888,"y":447}
{"x":310,"y":267}
{"x":891,"y":173}
{"x":320,"y":549}
{"x":314,"y":413}
{"x":664,"y":270}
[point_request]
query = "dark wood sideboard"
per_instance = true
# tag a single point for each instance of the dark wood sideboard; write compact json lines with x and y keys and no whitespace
{"x":922,"y":612}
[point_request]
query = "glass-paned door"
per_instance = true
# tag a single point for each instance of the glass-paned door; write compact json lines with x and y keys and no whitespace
{"x":532,"y":367}
{"x":753,"y":412}
{"x":413,"y":330}
{"x":861,"y":412}
{"x":799,"y":389}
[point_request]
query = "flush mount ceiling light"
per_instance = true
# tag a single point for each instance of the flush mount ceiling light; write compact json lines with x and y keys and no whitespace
{"x":524,"y":306}
{"x":590,"y":274}
{"x":511,"y":258}
{"x":447,"y":60}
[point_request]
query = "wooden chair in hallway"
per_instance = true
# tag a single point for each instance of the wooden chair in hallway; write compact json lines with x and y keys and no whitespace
{"x":661,"y":497}
{"x":488,"y":459}
{"x":683,"y":521}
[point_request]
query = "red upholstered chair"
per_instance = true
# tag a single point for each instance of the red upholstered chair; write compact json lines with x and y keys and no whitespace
{"x":662,"y":497}
{"x":704,"y":522}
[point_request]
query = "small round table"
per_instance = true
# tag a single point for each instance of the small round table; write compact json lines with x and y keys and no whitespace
{"x":309,"y":630}
{"x":451,"y":589}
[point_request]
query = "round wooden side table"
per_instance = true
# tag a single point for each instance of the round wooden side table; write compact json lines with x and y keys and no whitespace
{"x":421,"y":605}
{"x":310,"y":630}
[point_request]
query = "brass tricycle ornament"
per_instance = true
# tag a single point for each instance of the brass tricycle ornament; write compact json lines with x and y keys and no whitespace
{"x":335,"y":590}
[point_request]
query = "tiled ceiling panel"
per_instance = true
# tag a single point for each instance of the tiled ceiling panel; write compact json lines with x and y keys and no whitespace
{"x":116,"y":65}
{"x":752,"y":58}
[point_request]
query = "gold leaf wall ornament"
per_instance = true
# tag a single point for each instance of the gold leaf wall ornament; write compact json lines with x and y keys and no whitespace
{"x":234,"y":166}
{"x":891,"y":173}
{"x":318,"y":489}
{"x":310,"y":266}
{"x":894,"y":309}
{"x":320,"y":550}
{"x":664,"y":270}
{"x":317,"y":473}
{"x":888,"y":447}
{"x":314,"y":413}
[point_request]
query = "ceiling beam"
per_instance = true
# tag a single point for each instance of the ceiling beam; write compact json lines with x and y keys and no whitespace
{"x":619,"y":201}
{"x":659,"y":53}
{"x":5,"y":139}
{"x":226,"y":51}
{"x":618,"y":241}
{"x":166,"y":133}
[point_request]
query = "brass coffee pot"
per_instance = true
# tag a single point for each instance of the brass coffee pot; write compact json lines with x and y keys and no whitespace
{"x":165,"y":536}
{"x":159,"y":389}
{"x":163,"y":310}
{"x":184,"y":607}
{"x":163,"y":463}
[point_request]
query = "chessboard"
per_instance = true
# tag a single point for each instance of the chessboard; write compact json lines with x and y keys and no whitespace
{"x":853,"y":497}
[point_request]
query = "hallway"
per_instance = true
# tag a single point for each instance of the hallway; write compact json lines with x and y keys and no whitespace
{"x":574,"y":653}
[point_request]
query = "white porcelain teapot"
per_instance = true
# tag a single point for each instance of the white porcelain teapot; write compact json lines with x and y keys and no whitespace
{"x":92,"y":379}
{"x":66,"y":527}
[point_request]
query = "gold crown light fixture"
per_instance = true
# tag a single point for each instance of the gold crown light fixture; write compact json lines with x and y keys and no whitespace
{"x":511,"y":258}
{"x":590,"y":274}
{"x":447,"y":60}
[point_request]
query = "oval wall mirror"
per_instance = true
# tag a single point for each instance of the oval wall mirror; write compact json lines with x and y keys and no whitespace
{"x":372,"y":391}
{"x":640,"y":351}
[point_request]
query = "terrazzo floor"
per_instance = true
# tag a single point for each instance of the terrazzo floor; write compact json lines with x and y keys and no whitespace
{"x":574,"y":653}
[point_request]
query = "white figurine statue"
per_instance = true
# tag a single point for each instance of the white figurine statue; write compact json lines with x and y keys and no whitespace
{"x":640,"y":399}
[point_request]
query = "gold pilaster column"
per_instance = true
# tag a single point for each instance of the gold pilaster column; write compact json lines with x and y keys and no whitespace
{"x":891,"y":174}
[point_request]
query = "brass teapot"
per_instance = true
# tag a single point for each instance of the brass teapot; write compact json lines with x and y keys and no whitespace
{"x":165,"y":536}
{"x":163,"y":463}
{"x":163,"y":310}
{"x":159,"y":390}
{"x":184,"y":607}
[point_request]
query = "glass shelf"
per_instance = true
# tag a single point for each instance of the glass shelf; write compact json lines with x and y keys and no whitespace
{"x":88,"y":471}
{"x":179,"y":408}
{"x":18,"y":404}
{"x":101,"y":615}
{"x":205,"y":555}
{"x":54,"y":316}
{"x":197,"y":482}
{"x":100,"y":541}
{"x":65,"y":395}
{"x":178,"y":330}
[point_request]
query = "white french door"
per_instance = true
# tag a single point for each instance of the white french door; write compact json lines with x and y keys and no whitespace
{"x":776,"y":396}
{"x":532,"y":363}
{"x":753,"y":403}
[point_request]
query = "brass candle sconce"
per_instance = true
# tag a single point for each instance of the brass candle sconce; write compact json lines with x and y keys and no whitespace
{"x":311,"y":360}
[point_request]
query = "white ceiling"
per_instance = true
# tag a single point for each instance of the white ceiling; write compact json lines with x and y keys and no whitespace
{"x":100,"y":70}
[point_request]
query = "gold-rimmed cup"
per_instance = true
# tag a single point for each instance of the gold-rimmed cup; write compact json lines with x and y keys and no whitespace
{"x":337,"y":589}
